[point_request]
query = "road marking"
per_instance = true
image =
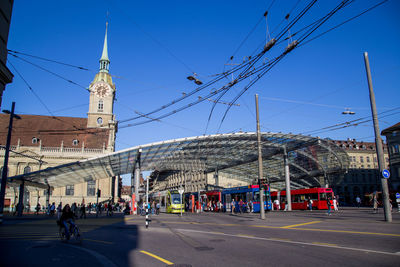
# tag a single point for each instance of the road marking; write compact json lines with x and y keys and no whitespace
{"x":282,"y":239}
{"x":345,"y":231}
{"x":245,"y":235}
{"x":156,"y":257}
{"x":326,"y":244}
{"x":300,"y":224}
{"x":297,"y":242}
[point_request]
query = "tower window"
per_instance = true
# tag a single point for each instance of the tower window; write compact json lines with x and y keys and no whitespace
{"x":100,"y":106}
{"x":35,"y":140}
{"x":75,"y":142}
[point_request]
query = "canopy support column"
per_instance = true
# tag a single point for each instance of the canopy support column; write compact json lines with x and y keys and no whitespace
{"x":21,"y":198}
{"x":287,"y":180}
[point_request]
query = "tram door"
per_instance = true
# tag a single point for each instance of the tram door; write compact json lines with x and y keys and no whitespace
{"x":228,"y":201}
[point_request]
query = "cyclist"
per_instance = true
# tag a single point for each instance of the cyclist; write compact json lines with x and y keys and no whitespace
{"x":67,"y":217}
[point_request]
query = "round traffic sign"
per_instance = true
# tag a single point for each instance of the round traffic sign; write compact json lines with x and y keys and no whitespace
{"x":397,"y":195}
{"x":386,"y":174}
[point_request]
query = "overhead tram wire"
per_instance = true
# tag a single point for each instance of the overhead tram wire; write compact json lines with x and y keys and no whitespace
{"x":30,"y":88}
{"x":260,"y":55}
{"x":223,"y":88}
{"x":46,"y":70}
{"x":198,"y":89}
{"x":344,"y":22}
{"x":326,"y":17}
{"x":352,"y":121}
{"x":225,"y":74}
{"x":49,"y":60}
{"x":44,"y":105}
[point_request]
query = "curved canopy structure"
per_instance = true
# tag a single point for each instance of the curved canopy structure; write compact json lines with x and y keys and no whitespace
{"x":234,"y":154}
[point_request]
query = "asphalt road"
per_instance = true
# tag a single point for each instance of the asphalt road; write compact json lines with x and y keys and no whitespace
{"x":350,"y":237}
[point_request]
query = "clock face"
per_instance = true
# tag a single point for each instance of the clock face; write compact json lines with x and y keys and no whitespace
{"x":101,"y":89}
{"x":99,"y":120}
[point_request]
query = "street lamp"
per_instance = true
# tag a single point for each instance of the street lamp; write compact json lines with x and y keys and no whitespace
{"x":5,"y":165}
{"x":348,"y":112}
{"x":193,"y":78}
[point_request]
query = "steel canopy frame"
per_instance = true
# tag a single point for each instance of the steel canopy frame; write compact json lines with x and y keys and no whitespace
{"x":234,"y":154}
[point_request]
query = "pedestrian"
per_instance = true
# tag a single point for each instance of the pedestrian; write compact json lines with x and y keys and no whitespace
{"x":37,"y":208}
{"x":375,"y":203}
{"x":358,"y":201}
{"x":310,"y":202}
{"x":59,"y":210}
{"x":335,"y":204}
{"x":328,"y":203}
{"x":233,"y":206}
{"x":83,"y":211}
{"x":251,"y":206}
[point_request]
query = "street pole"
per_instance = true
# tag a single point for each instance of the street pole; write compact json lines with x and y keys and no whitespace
{"x":378,"y":143}
{"x":5,"y":165}
{"x":260,"y":167}
{"x":147,"y":202}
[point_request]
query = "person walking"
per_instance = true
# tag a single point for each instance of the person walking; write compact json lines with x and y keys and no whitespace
{"x":233,"y":206}
{"x":335,"y":204}
{"x":59,"y":210}
{"x":358,"y":201}
{"x":375,"y":203}
{"x":328,"y":203}
{"x":310,"y":202}
{"x":83,"y":211}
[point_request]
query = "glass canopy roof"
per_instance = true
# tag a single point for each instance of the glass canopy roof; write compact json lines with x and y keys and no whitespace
{"x":235,"y":154}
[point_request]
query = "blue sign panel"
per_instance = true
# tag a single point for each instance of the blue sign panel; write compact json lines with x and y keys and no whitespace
{"x":397,"y":195}
{"x":386,"y":174}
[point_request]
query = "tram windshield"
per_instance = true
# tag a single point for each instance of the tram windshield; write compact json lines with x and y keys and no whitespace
{"x":176,"y":199}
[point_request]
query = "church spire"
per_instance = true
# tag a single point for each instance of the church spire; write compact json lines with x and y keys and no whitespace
{"x":104,"y":61}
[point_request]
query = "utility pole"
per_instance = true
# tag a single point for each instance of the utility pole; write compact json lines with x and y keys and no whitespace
{"x":378,"y":143}
{"x":260,"y":167}
{"x":6,"y":155}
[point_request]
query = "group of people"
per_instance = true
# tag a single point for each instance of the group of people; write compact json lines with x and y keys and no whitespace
{"x":241,"y":206}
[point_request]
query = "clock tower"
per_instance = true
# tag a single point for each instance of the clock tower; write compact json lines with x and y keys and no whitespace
{"x":102,"y":95}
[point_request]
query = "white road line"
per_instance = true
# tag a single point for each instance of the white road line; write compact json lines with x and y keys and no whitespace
{"x":330,"y":246}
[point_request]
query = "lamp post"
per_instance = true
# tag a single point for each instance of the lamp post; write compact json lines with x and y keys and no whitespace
{"x":5,"y":165}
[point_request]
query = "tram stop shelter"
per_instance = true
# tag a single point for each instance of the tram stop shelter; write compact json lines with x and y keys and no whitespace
{"x":298,"y":160}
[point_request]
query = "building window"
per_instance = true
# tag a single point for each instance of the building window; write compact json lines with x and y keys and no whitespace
{"x":100,"y":106}
{"x":27,"y":169}
{"x":75,"y":142}
{"x":361,"y":159}
{"x":69,"y":190}
{"x":91,"y":188}
{"x":368,"y":159}
{"x":35,"y":140}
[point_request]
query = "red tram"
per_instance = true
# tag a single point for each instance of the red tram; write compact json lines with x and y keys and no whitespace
{"x":300,"y":198}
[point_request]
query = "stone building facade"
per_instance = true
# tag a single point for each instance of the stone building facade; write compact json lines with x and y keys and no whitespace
{"x":393,"y":141}
{"x":363,"y":177}
{"x":39,"y":142}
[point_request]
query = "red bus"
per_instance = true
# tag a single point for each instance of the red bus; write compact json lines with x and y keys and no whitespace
{"x":300,"y":198}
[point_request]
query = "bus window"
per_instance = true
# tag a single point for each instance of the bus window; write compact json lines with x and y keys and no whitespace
{"x":256,"y":196}
{"x":314,"y":196}
{"x":248,"y":196}
{"x":322,"y":196}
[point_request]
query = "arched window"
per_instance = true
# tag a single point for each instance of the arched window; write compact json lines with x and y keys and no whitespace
{"x":100,"y":106}
{"x":75,"y":142}
{"x":27,"y":169}
{"x":35,"y":140}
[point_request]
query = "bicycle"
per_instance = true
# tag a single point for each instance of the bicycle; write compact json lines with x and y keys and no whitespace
{"x":73,"y":230}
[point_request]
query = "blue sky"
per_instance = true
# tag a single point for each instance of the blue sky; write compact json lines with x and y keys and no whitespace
{"x":155,"y":45}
